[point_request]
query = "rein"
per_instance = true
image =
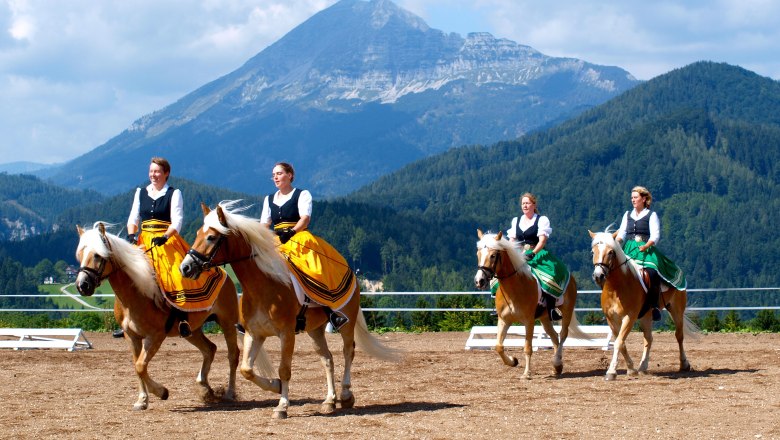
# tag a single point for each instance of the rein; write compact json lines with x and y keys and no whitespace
{"x":206,"y":262}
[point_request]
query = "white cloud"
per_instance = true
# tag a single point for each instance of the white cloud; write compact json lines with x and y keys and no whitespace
{"x":75,"y":73}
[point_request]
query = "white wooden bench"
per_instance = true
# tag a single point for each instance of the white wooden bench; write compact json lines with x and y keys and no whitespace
{"x":485,"y":337}
{"x":28,"y":338}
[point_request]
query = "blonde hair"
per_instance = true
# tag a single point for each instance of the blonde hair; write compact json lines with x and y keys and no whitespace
{"x":532,"y":198}
{"x":644,"y":192}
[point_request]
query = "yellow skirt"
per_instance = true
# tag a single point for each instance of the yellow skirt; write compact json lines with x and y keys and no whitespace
{"x":183,"y":293}
{"x":320,"y":269}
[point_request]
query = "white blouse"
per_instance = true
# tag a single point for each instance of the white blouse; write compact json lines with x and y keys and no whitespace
{"x":177,"y":206}
{"x":304,"y":204}
{"x":544,"y":225}
{"x":655,"y":224}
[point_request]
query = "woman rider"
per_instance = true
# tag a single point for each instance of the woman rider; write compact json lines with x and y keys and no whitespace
{"x":317,"y":268}
{"x":531,"y":231}
{"x":156,"y":217}
{"x":640,"y":229}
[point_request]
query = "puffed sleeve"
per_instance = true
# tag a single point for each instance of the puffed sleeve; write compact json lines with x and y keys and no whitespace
{"x":304,"y":204}
{"x":135,"y":209}
{"x":177,"y":210}
{"x":623,"y":225}
{"x":544,"y":226}
{"x":265,"y":215}
{"x":655,"y":228}
{"x":511,"y":233}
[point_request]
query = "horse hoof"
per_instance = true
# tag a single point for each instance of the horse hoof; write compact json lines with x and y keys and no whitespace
{"x":328,"y":408}
{"x":610,"y":376}
{"x":685,"y":367}
{"x":558,"y":370}
{"x":348,"y":402}
{"x":515,"y":362}
{"x":164,"y":395}
{"x":525,"y":377}
{"x":140,"y":406}
{"x":632,"y":373}
{"x":279,"y":415}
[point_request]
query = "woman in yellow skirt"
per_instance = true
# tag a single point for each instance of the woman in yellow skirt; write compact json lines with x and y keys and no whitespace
{"x":156,"y":217}
{"x":317,"y":268}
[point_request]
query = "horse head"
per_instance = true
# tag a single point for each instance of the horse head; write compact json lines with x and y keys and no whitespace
{"x":605,"y":251}
{"x":101,"y":254}
{"x":489,"y":259}
{"x":208,"y":241}
{"x":94,"y":253}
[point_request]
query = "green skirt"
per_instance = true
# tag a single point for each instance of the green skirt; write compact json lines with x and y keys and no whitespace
{"x":654,"y":259}
{"x":551,"y":273}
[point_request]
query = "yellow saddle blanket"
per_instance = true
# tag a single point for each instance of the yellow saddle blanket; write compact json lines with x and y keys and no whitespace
{"x":319,"y":270}
{"x":182,"y":293}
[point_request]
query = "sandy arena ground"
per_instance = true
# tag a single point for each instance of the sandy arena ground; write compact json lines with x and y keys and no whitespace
{"x":440,"y":391}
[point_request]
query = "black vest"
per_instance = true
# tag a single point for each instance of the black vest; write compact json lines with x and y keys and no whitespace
{"x":639,"y":227}
{"x":530,"y":235}
{"x":287,"y":213}
{"x":159,"y":209}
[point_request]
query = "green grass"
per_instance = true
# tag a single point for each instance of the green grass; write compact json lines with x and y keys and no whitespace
{"x":68,"y":303}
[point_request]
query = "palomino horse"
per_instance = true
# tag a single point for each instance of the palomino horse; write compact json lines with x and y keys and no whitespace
{"x":269,"y":305}
{"x":622,"y":296}
{"x":144,"y":313}
{"x":517,"y":299}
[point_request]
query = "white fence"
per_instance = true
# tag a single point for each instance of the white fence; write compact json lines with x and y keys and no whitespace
{"x":86,"y":307}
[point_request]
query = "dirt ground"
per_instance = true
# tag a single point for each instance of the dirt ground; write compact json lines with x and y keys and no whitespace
{"x":439,"y":391}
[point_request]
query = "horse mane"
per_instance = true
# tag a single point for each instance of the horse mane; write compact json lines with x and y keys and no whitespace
{"x":262,"y":241}
{"x":131,"y":259}
{"x":489,"y":241}
{"x":607,"y":238}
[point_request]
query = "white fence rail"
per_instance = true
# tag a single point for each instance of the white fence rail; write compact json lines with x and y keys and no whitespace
{"x":691,"y":299}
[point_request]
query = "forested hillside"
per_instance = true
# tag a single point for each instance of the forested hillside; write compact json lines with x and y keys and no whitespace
{"x":29,"y":206}
{"x":704,"y":139}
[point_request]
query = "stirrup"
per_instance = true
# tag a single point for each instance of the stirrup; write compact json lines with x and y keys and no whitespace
{"x":337,"y":320}
{"x":119,"y":333}
{"x":184,"y":329}
{"x":555,"y":314}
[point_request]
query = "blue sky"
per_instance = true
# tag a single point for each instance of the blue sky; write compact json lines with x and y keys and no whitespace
{"x":75,"y":73}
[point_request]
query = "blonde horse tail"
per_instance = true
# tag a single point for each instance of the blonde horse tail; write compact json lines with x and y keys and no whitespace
{"x":371,"y":345}
{"x":690,"y":329}
{"x":575,"y":331}
{"x":263,"y":364}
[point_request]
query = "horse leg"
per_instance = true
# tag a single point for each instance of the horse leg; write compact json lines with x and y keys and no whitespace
{"x":229,"y":330}
{"x":346,"y":398}
{"x":678,"y":316}
{"x":287,"y":342}
{"x":326,"y":358}
{"x":557,"y":345}
{"x":208,"y":350}
{"x":503,"y":328}
{"x":528,"y":348}
{"x":143,"y":352}
{"x":252,"y":348}
{"x":620,"y":347}
{"x":646,"y":324}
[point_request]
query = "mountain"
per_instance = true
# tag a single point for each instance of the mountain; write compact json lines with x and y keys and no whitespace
{"x":705,"y":139}
{"x":24,"y":167}
{"x":355,"y":92}
{"x":29,"y":206}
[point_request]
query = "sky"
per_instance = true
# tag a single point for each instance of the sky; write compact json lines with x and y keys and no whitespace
{"x":75,"y":73}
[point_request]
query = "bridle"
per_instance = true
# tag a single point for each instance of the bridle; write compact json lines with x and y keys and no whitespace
{"x":491,"y":273}
{"x":608,"y":267}
{"x":206,"y":262}
{"x":96,"y":276}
